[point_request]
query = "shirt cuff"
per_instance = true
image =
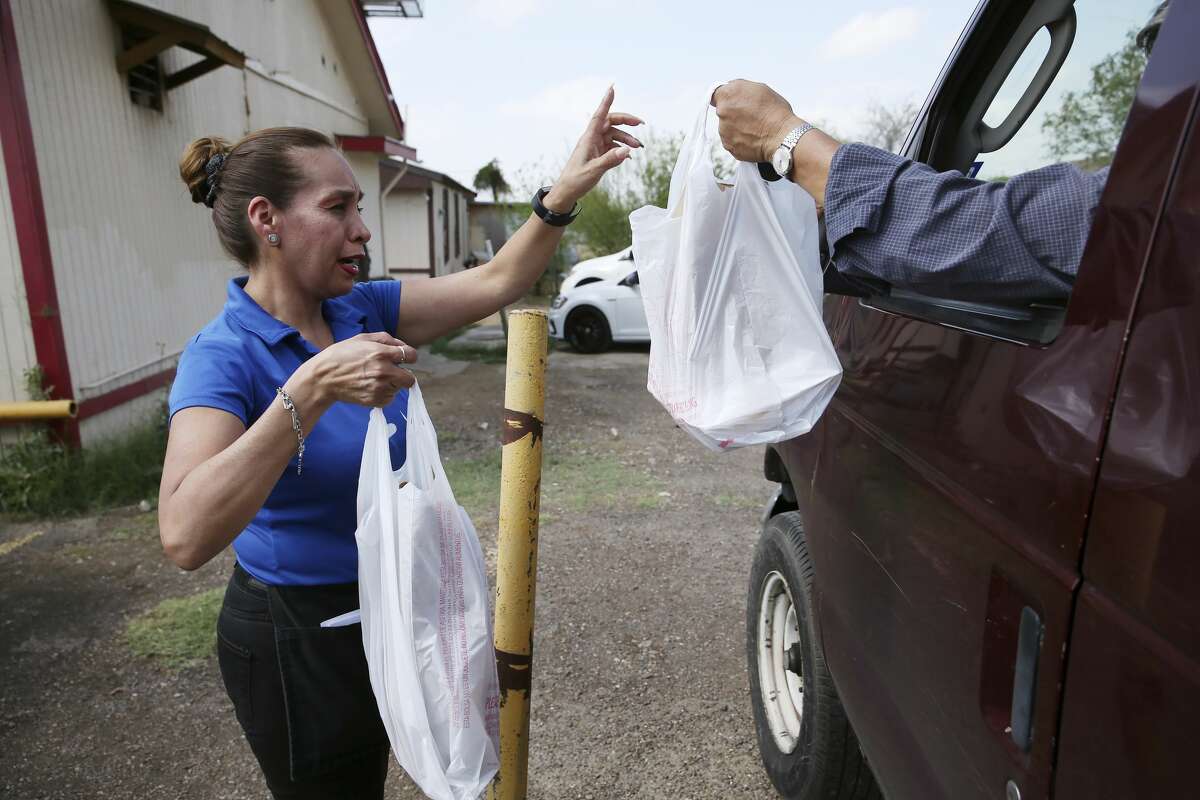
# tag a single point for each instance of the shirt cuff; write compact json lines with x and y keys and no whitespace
{"x":860,"y":177}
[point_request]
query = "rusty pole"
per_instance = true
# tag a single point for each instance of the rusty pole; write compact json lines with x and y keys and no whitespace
{"x":516,"y":562}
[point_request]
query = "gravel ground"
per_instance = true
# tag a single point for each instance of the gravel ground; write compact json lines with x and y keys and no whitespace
{"x":639,"y":668}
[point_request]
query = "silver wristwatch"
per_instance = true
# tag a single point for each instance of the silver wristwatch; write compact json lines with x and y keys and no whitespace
{"x":781,"y":162}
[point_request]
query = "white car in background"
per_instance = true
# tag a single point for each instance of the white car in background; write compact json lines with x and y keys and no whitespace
{"x":599,"y":305}
{"x":612,"y":267}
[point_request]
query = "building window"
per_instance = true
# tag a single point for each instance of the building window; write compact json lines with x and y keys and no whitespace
{"x":445,"y":224}
{"x":146,"y":81}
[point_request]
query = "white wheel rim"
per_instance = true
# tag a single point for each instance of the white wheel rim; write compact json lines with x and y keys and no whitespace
{"x":782,"y":690}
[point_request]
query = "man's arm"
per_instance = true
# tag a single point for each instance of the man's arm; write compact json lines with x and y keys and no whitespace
{"x":898,"y":220}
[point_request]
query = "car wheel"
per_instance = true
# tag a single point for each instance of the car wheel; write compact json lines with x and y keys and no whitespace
{"x":806,"y":743}
{"x":586,"y":329}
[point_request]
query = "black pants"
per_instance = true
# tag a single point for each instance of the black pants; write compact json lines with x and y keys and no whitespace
{"x":302,"y":693}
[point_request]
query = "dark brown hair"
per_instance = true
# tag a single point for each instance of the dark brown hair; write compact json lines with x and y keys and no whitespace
{"x":262,"y":163}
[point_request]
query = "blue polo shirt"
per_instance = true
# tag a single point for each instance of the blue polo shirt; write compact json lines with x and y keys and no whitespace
{"x":304,"y":533}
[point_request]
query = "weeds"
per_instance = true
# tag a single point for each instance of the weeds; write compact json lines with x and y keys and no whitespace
{"x":41,"y":477}
{"x":179,"y":632}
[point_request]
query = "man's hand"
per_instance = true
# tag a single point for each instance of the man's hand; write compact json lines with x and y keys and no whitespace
{"x":754,"y":119}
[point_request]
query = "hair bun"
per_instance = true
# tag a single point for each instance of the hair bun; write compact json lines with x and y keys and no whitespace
{"x":195,"y":170}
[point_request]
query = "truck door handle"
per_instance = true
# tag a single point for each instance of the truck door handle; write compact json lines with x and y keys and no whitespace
{"x":1029,"y":646}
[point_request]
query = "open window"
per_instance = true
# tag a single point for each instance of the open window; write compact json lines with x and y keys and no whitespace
{"x":1036,"y":82}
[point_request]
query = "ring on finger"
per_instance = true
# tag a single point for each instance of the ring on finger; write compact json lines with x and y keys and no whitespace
{"x":403,"y":358}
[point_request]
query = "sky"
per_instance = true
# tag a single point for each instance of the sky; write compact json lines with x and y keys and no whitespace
{"x":517,"y":79}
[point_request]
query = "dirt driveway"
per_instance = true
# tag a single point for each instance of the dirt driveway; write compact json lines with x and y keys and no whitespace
{"x":639,"y":676}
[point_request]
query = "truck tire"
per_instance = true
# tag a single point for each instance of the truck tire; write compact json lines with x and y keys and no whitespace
{"x":807,"y":745}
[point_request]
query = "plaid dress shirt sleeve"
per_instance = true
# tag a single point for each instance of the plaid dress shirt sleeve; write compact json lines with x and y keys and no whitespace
{"x":897,"y":220}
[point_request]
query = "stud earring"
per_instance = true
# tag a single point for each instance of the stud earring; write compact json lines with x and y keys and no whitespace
{"x":272,"y":238}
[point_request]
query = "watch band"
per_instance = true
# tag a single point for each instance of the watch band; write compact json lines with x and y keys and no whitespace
{"x":794,"y":135}
{"x":783,"y":154}
{"x":552,"y":217}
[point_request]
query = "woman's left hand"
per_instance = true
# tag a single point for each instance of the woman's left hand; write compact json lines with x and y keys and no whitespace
{"x":602,"y":147}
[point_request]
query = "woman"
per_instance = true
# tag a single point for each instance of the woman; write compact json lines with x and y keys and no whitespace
{"x":268,"y":415}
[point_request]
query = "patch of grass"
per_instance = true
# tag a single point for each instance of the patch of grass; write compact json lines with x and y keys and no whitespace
{"x":475,"y":481}
{"x":582,"y":483}
{"x":737,"y":501}
{"x":572,"y":482}
{"x":77,"y":551}
{"x":41,"y":477}
{"x":178,"y":632}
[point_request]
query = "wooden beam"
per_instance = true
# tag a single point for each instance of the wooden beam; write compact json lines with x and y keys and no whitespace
{"x":194,"y":71}
{"x":213,"y":47}
{"x":144,"y":51}
{"x":183,"y":32}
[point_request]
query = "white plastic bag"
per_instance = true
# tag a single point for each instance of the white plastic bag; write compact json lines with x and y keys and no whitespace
{"x":426,"y":628}
{"x":731,"y":281}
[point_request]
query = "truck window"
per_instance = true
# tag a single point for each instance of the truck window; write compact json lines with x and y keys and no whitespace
{"x":984,"y":126}
{"x":1082,"y":114}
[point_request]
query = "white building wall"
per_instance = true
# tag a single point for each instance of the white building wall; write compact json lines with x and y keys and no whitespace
{"x":446,"y":259}
{"x":366,"y":170}
{"x":137,"y":264}
{"x":406,"y":229}
{"x":17,"y":353}
{"x":16,"y":333}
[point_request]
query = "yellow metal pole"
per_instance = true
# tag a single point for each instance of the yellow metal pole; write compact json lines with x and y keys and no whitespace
{"x":516,"y":562}
{"x":37,"y":409}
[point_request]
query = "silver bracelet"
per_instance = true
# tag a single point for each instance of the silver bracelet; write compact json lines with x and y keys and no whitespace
{"x":291,"y":409}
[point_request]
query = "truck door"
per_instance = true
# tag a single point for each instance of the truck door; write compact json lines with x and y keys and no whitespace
{"x":1131,"y":712}
{"x":949,"y":501}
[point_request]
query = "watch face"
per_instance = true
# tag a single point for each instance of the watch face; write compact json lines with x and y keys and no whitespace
{"x":782,"y":162}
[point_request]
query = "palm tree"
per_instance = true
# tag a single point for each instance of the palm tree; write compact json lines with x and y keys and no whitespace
{"x":489,"y":177}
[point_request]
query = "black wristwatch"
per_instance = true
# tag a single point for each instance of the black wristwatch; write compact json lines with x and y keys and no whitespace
{"x":552,"y":217}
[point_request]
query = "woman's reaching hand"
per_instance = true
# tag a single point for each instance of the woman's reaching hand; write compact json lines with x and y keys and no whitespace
{"x":602,"y":147}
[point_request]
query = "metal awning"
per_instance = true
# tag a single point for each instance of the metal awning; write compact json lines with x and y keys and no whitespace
{"x":383,"y":145}
{"x":392,"y":8}
{"x":154,"y":31}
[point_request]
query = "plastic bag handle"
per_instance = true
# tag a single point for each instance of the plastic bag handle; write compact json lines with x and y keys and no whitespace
{"x":425,"y":458}
{"x":694,"y":147}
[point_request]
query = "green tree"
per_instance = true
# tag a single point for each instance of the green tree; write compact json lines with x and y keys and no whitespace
{"x":1088,"y":125}
{"x":603,"y":224}
{"x":491,"y":178}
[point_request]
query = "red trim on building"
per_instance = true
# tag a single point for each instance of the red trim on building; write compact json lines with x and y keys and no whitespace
{"x":29,"y":220}
{"x":130,"y":391}
{"x":369,"y":41}
{"x":384,"y":145}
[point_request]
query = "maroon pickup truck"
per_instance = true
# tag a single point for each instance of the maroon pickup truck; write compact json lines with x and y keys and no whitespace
{"x":980,"y":576}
